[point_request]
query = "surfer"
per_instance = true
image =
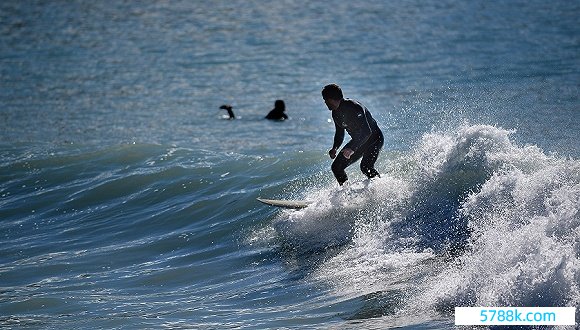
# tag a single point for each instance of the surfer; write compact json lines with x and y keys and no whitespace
{"x":229,"y":108}
{"x":366,"y":136}
{"x":278,"y":112}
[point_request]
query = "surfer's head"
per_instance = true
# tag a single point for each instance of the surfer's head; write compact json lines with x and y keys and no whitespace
{"x":332,"y":91}
{"x":332,"y":95}
{"x":279,"y":105}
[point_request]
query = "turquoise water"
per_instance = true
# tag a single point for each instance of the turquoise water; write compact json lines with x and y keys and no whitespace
{"x":127,"y":201}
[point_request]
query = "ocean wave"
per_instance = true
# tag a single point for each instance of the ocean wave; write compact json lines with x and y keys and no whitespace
{"x":526,"y":229}
{"x":465,"y":218}
{"x":474,"y":219}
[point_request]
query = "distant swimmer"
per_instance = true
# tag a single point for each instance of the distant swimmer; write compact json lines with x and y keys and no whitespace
{"x":229,"y":108}
{"x":366,"y":136}
{"x":278,"y":112}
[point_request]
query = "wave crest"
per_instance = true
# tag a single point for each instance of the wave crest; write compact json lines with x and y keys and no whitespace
{"x":501,"y":221}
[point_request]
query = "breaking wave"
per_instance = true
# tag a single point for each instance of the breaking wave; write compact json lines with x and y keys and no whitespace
{"x":468,"y":218}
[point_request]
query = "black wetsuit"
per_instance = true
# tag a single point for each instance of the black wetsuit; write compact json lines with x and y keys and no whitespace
{"x":277,"y":114}
{"x":367,"y":139}
{"x":231,"y":113}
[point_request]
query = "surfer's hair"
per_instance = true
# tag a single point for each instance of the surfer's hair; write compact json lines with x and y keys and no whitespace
{"x":332,"y":91}
{"x":279,"y":104}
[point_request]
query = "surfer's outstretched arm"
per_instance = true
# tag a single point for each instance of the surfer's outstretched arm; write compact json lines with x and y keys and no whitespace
{"x":338,"y":138}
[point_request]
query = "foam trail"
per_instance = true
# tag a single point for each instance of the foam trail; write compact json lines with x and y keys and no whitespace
{"x":335,"y":215}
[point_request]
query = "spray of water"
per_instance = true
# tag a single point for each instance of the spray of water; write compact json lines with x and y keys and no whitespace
{"x":474,"y":220}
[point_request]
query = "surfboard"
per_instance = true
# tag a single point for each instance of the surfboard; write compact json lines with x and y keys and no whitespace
{"x":290,"y":204}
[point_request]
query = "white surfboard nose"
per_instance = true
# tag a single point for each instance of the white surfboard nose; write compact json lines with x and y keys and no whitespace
{"x":291,"y":204}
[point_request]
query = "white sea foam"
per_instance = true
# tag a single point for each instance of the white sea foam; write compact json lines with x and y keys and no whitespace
{"x":477,"y":220}
{"x":524,"y":246}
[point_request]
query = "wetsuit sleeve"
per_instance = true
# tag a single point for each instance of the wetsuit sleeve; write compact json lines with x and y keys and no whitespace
{"x":338,"y":136}
{"x":360,"y":128}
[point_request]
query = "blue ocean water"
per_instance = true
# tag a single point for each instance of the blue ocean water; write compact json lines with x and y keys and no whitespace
{"x":127,"y":201}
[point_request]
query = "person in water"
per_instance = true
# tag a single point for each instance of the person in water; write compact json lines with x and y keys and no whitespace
{"x":278,"y":112}
{"x":366,"y":136}
{"x":229,"y":108}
